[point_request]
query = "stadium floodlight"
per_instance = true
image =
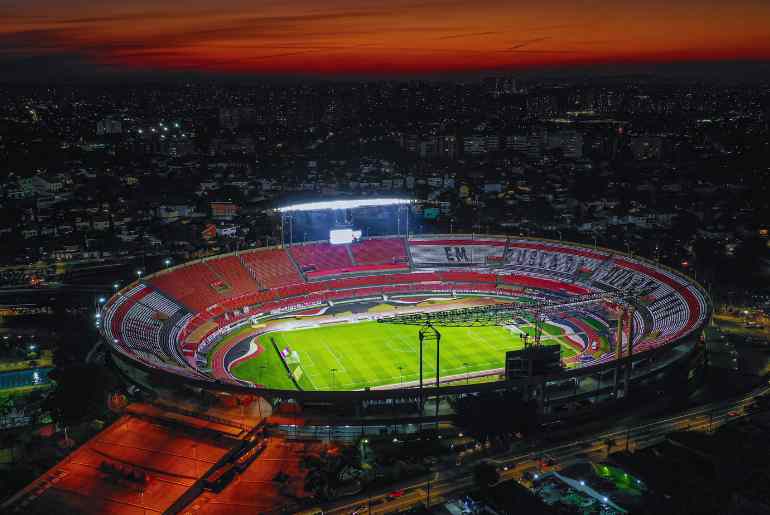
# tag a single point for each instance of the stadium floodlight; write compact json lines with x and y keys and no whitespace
{"x":344,"y":204}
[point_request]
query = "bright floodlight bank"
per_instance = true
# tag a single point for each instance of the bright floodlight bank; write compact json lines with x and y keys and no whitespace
{"x":344,"y":204}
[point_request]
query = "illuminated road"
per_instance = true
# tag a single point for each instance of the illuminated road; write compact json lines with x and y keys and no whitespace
{"x":452,"y":481}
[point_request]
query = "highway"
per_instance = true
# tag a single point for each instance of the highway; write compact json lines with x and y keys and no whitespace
{"x":449,"y":481}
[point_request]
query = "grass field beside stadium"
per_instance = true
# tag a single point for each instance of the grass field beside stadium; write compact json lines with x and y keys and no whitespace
{"x":352,"y":356}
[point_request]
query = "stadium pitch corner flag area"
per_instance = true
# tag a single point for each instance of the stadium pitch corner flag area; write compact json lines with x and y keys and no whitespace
{"x":358,"y":355}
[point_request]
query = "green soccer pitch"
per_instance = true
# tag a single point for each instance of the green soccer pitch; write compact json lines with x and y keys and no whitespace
{"x":352,"y":356}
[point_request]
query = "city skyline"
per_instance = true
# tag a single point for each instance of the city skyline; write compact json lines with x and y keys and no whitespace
{"x":41,"y":38}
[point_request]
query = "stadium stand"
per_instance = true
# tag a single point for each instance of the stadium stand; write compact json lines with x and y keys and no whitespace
{"x":315,"y":257}
{"x":357,"y":270}
{"x":379,"y":252}
{"x":467,"y":277}
{"x":270,"y":268}
{"x":195,"y":285}
{"x":229,"y":268}
{"x":176,"y":314}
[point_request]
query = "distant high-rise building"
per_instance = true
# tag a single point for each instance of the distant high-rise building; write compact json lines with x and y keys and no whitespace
{"x":235,"y":117}
{"x":542,"y":105}
{"x":430,"y":146}
{"x":447,"y":147}
{"x":109,"y":126}
{"x":568,"y":141}
{"x":499,"y":86}
{"x":477,"y":144}
{"x":223,"y":210}
{"x":647,"y":147}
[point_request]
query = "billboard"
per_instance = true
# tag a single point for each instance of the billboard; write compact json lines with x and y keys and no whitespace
{"x":453,"y":253}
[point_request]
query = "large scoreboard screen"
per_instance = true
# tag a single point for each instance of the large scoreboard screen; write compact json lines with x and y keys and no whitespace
{"x":533,"y":361}
{"x":343,"y":236}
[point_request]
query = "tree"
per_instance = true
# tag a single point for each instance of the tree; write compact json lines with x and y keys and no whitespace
{"x":493,"y":414}
{"x":80,"y":393}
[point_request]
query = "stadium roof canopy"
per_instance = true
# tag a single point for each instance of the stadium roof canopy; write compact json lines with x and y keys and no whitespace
{"x":344,"y":204}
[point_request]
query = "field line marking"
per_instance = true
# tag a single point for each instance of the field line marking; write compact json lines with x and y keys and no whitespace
{"x":329,"y":349}
{"x":310,"y":378}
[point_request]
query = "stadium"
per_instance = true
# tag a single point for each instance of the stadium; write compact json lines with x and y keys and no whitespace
{"x":352,"y":319}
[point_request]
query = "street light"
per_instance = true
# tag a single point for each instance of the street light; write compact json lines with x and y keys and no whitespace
{"x":167,"y":261}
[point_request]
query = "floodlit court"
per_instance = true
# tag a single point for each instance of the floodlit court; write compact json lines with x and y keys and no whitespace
{"x":351,"y":356}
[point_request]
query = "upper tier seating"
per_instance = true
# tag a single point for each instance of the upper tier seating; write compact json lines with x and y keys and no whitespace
{"x":229,"y":268}
{"x":321,"y":256}
{"x":379,"y":251}
{"x":270,"y":268}
{"x":196,"y":286}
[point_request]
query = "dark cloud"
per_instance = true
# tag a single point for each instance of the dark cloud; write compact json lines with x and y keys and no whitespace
{"x":34,"y":40}
{"x":527,"y":42}
{"x":470,"y":35}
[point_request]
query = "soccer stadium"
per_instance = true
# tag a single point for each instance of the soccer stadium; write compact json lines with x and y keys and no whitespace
{"x":364,"y":318}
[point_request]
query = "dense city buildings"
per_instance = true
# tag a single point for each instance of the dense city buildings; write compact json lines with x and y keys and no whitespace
{"x":660,"y":167}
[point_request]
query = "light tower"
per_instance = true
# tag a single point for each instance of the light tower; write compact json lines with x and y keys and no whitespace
{"x":429,"y":333}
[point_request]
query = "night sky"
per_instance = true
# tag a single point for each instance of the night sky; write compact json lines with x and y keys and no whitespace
{"x":357,"y":37}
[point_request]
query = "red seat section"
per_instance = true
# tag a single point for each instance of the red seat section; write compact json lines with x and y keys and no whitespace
{"x":270,"y":268}
{"x":472,"y":277}
{"x":231,"y":271}
{"x":371,"y":280}
{"x":359,"y":269}
{"x":379,"y":252}
{"x":195,"y":285}
{"x":321,"y":256}
{"x":543,"y":284}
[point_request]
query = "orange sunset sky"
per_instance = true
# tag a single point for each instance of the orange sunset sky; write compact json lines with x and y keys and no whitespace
{"x":369,"y":37}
